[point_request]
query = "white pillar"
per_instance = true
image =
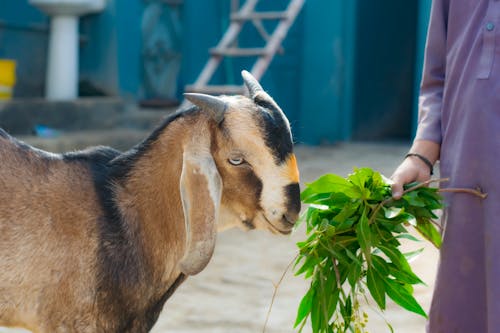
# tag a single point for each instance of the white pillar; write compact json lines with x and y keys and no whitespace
{"x":62,"y":69}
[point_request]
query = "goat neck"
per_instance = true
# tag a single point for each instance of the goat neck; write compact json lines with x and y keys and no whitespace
{"x":159,"y":189}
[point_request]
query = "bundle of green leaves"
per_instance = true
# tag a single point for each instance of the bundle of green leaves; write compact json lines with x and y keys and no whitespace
{"x":354,"y":228}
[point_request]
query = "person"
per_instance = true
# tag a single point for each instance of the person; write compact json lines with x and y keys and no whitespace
{"x":459,"y":124}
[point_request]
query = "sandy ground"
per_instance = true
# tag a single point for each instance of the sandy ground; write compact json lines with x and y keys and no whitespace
{"x":233,"y":294}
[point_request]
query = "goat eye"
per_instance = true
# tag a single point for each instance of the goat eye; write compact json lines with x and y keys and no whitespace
{"x":236,"y":161}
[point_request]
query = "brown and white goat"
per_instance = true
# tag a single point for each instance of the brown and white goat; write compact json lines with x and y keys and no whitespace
{"x":97,"y":240}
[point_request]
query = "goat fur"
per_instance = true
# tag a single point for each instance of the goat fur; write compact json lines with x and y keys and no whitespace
{"x":97,"y":240}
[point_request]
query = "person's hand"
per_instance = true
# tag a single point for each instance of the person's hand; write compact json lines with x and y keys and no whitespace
{"x":411,"y":170}
{"x":415,"y":168}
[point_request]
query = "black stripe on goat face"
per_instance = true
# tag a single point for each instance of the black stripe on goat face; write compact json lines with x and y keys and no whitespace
{"x":292,"y":193}
{"x":276,"y":130}
{"x":281,"y":211}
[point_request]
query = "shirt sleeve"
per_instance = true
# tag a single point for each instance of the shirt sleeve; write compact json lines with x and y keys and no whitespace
{"x":433,"y":76}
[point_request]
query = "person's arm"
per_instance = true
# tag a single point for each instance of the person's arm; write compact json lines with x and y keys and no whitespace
{"x":428,"y":137}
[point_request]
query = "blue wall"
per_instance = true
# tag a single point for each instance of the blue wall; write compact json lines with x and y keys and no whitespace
{"x":206,"y":22}
{"x":110,"y":53}
{"x":24,"y":38}
{"x":311,"y":81}
{"x":324,"y":82}
{"x":424,"y":11}
{"x":385,"y":70}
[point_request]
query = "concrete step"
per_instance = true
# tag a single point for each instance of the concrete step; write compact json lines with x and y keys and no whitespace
{"x":145,"y":119}
{"x":20,"y":116}
{"x":79,"y":124}
{"x":120,"y":138}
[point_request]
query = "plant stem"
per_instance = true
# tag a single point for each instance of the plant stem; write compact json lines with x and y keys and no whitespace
{"x":303,"y":324}
{"x":276,"y":286}
{"x":477,"y":192}
{"x":437,"y":225}
{"x":427,"y":182}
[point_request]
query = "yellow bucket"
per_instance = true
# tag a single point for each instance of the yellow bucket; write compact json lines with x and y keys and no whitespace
{"x":7,"y":78}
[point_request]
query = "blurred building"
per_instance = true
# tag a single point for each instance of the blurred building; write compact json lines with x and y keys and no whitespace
{"x":350,"y":70}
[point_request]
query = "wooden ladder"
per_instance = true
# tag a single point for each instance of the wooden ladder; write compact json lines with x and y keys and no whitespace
{"x":226,"y":48}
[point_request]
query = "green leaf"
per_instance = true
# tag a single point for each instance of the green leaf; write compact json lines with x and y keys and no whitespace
{"x":376,"y":287}
{"x":400,"y":295}
{"x":309,"y":263}
{"x":410,"y":219}
{"x":327,"y":184}
{"x":396,"y":257}
{"x":346,"y":310}
{"x":345,"y":240}
{"x":315,"y":313}
{"x":354,"y":274}
{"x":380,"y":265}
{"x":347,"y":224}
{"x":375,"y":235}
{"x":360,"y":177}
{"x":408,"y":236}
{"x":363,"y":235}
{"x":316,"y":198}
{"x":429,"y":231}
{"x":402,"y":270}
{"x":413,"y":254}
{"x":393,"y":212}
{"x":351,"y":255}
{"x":333,"y":299}
{"x":413,"y":199}
{"x":347,"y":211}
{"x":337,"y":254}
{"x":404,"y":277}
{"x":421,"y":212}
{"x":399,"y":229}
{"x":304,"y":308}
{"x":336,"y":200}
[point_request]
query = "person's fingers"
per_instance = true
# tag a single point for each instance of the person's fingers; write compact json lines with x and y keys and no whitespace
{"x":397,"y":186}
{"x":404,"y":174}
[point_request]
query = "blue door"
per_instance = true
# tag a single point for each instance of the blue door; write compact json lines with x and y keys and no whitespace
{"x":162,"y":34}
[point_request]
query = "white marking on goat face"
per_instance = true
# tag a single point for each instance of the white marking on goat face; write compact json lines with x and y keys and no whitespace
{"x":258,"y":168}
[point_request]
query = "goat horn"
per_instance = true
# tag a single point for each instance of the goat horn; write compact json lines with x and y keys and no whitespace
{"x":251,"y":83}
{"x":212,"y":103}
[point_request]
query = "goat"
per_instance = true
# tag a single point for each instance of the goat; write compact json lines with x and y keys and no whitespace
{"x":97,"y":240}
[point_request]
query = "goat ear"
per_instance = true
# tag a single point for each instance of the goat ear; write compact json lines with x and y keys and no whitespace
{"x":211,"y":103}
{"x":201,"y":188}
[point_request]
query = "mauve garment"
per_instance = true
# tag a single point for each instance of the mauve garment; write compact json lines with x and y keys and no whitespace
{"x":460,"y":109}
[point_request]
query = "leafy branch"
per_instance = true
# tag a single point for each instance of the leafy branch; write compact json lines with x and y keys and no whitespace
{"x":354,"y":227}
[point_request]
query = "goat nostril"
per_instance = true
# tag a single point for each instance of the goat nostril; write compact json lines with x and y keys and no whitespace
{"x":274,"y":212}
{"x":290,"y":218}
